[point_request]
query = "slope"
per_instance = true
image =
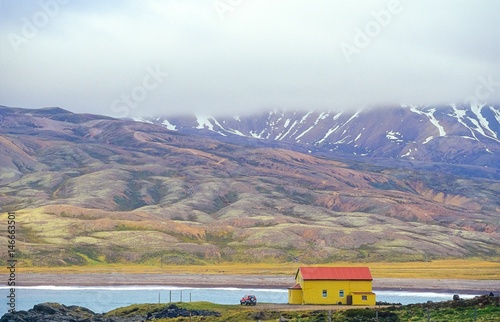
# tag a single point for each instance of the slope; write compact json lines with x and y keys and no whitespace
{"x":93,"y":189}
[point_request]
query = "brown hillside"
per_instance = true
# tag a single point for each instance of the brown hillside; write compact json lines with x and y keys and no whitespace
{"x":91,"y":189}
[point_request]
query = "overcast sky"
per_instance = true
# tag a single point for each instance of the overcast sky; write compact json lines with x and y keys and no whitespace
{"x":138,"y":57}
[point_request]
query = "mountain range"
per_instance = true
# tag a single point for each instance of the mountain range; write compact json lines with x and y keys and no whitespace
{"x":402,"y":183}
{"x":451,"y":134}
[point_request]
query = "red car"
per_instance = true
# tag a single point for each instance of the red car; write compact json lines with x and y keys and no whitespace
{"x":248,"y":300}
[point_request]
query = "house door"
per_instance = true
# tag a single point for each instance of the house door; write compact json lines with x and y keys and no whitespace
{"x":349,"y":299}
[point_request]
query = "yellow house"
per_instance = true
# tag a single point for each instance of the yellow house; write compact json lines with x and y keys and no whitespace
{"x":332,"y":285}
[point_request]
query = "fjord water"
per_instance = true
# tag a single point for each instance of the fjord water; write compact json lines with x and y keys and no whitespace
{"x":104,"y":299}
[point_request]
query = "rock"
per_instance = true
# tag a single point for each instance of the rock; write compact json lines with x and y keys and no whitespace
{"x":456,"y":297}
{"x":47,"y":308}
{"x":49,"y":312}
{"x":173,"y":311}
{"x":46,"y":312}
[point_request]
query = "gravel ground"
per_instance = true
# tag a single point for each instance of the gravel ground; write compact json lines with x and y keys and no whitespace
{"x":242,"y":281}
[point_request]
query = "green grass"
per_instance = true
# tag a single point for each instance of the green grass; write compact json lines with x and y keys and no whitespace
{"x":441,"y":311}
{"x":439,"y":269}
{"x":46,"y":238}
{"x":228,"y":312}
{"x":487,"y":313}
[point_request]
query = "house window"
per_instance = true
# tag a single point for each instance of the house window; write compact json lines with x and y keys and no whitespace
{"x":341,"y":293}
{"x":364,"y":297}
{"x":325,"y":293}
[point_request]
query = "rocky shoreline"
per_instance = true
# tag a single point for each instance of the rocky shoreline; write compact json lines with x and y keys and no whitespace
{"x":48,"y":312}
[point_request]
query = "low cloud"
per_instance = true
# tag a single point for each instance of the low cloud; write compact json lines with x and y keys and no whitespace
{"x":247,"y":56}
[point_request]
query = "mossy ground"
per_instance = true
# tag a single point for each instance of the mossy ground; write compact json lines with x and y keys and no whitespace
{"x":439,"y":269}
{"x":449,"y":311}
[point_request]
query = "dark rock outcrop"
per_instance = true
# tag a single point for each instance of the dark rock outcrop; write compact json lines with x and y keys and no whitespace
{"x":49,"y":312}
{"x":478,"y":301}
{"x":173,"y":311}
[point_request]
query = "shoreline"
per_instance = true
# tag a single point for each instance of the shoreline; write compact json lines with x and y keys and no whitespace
{"x":243,"y":281}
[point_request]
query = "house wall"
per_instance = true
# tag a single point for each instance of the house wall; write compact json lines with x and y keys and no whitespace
{"x":294,"y":296}
{"x":357,"y":299}
{"x":313,"y":291}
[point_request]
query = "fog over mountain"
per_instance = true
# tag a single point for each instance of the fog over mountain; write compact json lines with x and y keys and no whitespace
{"x":143,"y":58}
{"x":201,"y":131}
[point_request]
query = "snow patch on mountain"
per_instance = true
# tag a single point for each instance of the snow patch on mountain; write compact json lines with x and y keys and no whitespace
{"x":359,"y":135}
{"x":204,"y":122}
{"x":407,"y":154}
{"x":394,"y":136}
{"x":330,"y":131}
{"x":428,"y":139}
{"x":142,"y":120}
{"x":397,"y":132}
{"x":483,"y":123}
{"x":169,"y":126}
{"x":430,"y":114}
{"x":320,"y":117}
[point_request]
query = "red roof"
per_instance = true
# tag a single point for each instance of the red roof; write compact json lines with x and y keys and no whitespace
{"x":335,"y":273}
{"x":296,"y":286}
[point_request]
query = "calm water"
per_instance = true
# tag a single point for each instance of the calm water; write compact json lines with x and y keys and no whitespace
{"x":103,"y":299}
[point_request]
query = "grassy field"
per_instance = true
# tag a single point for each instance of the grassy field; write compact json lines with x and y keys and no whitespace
{"x":444,"y":311}
{"x":439,"y":269}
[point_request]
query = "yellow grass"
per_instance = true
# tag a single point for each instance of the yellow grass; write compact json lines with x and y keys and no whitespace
{"x":439,"y":269}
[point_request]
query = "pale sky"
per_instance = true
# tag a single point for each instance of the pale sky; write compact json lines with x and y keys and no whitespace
{"x":138,"y":57}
